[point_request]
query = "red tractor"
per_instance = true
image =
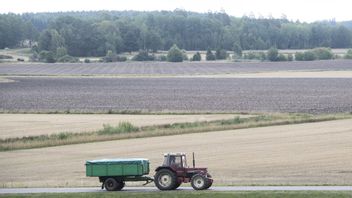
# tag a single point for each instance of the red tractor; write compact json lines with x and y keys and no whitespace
{"x":175,"y":171}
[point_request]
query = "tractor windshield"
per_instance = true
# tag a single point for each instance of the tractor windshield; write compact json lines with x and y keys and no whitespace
{"x":175,"y":160}
{"x":184,"y":161}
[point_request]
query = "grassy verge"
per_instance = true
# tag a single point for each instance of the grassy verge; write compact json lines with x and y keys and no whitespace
{"x":261,"y":194}
{"x":126,"y":130}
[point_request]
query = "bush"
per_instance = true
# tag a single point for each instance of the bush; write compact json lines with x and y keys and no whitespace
{"x":281,"y":57}
{"x":60,"y":52}
{"x":272,"y":54}
{"x":184,"y":55}
{"x":143,"y":55}
{"x":210,"y":56}
{"x":290,"y":57}
{"x":197,"y":57}
{"x":121,"y":58}
{"x":255,"y":56}
{"x":261,"y":55}
{"x":112,"y":57}
{"x":309,"y":56}
{"x":123,"y":127}
{"x":299,"y":56}
{"x":162,"y":58}
{"x":46,"y":56}
{"x":348,"y":55}
{"x":35,"y":48}
{"x":175,"y":54}
{"x":323,"y":53}
{"x":221,"y":54}
{"x":68,"y":59}
{"x":237,"y":50}
{"x":34,"y":56}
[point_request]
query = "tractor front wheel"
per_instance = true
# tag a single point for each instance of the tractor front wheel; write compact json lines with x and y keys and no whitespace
{"x":199,"y":182}
{"x":165,"y":179}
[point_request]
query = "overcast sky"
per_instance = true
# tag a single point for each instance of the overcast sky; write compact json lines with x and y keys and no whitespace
{"x":304,"y":10}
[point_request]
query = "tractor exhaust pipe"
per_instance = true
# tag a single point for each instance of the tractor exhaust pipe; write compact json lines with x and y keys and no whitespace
{"x":194,"y":161}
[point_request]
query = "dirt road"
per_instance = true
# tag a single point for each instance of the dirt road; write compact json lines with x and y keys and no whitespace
{"x":153,"y":189}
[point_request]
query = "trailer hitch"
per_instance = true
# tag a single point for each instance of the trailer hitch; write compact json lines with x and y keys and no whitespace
{"x":148,"y":181}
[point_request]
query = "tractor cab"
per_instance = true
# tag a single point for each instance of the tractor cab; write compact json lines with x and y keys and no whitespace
{"x":176,"y":160}
{"x":174,"y":171}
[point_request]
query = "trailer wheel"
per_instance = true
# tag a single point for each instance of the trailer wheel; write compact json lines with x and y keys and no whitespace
{"x":120,"y":185}
{"x":111,"y":184}
{"x":165,"y":179}
{"x":199,"y":182}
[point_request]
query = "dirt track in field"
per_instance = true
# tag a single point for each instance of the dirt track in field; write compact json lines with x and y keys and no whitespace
{"x":312,"y":153}
{"x":19,"y":125}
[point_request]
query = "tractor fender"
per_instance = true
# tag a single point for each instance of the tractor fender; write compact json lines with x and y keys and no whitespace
{"x":165,"y":167}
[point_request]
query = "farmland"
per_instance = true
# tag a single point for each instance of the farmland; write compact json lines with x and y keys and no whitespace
{"x":55,"y":94}
{"x":311,"y":153}
{"x":19,"y":125}
{"x":166,"y":68}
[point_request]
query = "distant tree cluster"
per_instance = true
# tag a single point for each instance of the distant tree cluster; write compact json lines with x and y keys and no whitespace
{"x":348,"y":54}
{"x":315,"y":54}
{"x":14,"y":31}
{"x":97,"y":33}
{"x":309,"y":55}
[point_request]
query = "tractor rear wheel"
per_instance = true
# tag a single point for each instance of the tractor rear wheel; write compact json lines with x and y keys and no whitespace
{"x":178,"y":184}
{"x":199,"y":182}
{"x":165,"y":179}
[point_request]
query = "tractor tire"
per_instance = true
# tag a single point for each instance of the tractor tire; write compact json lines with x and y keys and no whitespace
{"x":178,"y":184}
{"x":165,"y":179}
{"x":111,"y":184}
{"x":209,"y":184}
{"x":199,"y":182}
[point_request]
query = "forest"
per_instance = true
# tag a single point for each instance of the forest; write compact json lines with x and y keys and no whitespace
{"x":95,"y":33}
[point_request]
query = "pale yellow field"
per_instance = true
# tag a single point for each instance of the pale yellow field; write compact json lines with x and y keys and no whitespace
{"x":5,"y":80}
{"x":312,"y":153}
{"x":19,"y":125}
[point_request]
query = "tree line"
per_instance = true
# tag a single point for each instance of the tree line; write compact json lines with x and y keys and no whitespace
{"x":99,"y":32}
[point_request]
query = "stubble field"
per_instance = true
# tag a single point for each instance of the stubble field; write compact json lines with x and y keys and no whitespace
{"x":19,"y":125}
{"x":312,"y":153}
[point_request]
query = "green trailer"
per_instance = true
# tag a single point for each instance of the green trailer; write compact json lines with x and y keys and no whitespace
{"x":113,"y":173}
